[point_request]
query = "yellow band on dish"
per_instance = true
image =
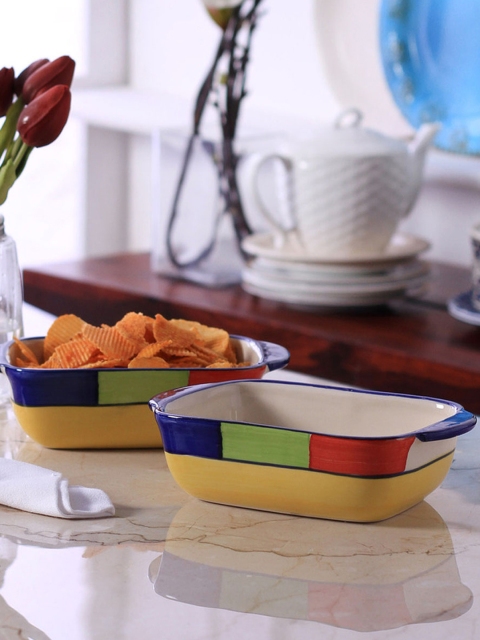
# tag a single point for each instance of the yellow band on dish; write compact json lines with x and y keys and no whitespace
{"x":303,"y":492}
{"x":119,"y":426}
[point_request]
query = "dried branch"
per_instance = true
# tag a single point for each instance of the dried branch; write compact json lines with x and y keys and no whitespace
{"x":235,"y":57}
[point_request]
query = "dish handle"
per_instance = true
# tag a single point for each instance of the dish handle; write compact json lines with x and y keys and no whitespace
{"x":456,"y":425}
{"x":276,"y":356}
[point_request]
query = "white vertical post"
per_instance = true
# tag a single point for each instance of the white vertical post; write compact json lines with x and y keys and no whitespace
{"x":106,"y":152}
{"x":106,"y":192}
{"x":107,"y":46}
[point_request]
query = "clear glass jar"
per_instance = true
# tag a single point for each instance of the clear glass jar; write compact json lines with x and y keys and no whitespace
{"x":11,"y":288}
{"x":11,"y":298}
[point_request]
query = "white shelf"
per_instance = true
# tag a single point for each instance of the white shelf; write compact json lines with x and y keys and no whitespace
{"x":123,"y":109}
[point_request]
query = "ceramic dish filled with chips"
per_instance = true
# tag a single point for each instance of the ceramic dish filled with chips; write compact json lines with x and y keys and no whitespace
{"x":83,"y":386}
{"x":307,"y":449}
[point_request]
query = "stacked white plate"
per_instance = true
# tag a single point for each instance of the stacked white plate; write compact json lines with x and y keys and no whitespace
{"x":288,"y":275}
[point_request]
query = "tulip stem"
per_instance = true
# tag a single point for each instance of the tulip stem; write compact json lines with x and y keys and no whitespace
{"x":20,"y":152}
{"x":12,"y":150}
{"x":22,"y":158}
{"x":7,"y":132}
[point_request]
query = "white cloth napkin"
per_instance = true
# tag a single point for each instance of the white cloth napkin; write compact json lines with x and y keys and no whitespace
{"x":28,"y":487}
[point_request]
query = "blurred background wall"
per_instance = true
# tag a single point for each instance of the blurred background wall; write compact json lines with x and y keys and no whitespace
{"x":139,"y":66}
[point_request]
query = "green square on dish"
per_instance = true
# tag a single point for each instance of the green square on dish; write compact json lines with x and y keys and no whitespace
{"x":265,"y":445}
{"x":133,"y":386}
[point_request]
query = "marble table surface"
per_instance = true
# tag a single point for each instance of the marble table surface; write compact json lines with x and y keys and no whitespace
{"x":172,"y":567}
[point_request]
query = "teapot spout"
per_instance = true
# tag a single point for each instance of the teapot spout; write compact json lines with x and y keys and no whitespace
{"x":417,"y":150}
{"x":419,"y":145}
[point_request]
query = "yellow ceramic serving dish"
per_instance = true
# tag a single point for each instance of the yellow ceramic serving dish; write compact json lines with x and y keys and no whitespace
{"x":108,"y":408}
{"x":306,"y":449}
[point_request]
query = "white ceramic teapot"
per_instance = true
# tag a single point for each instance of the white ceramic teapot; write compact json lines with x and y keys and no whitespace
{"x":349,"y":187}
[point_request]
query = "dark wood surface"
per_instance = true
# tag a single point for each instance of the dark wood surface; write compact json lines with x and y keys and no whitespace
{"x":408,"y":346}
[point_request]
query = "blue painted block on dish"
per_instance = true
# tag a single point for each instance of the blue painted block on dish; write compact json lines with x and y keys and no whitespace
{"x":200,"y":438}
{"x":53,"y":388}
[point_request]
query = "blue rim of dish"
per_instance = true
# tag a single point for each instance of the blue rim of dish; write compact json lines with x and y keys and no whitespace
{"x":430,"y":80}
{"x":104,"y":387}
{"x":461,"y":308}
{"x":459,"y":423}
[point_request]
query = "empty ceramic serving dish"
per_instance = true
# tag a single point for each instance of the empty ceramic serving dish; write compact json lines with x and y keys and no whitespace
{"x":108,"y":408}
{"x":306,"y":449}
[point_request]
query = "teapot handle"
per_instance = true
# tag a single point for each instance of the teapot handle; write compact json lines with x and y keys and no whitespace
{"x":250,"y":169}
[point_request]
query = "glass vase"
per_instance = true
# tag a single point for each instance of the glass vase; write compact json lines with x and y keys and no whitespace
{"x":11,"y":298}
{"x":203,"y":226}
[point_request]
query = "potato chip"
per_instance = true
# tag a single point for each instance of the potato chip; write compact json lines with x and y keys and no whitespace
{"x":221,"y":364}
{"x":72,"y":354}
{"x":110,"y":341}
{"x":206,"y":354}
{"x":186,"y":325}
{"x":63,"y":329}
{"x":216,"y":339}
{"x":154,"y":362}
{"x":113,"y":363}
{"x":26,"y":364}
{"x":178,"y":352}
{"x":27,"y":353}
{"x":231,"y":355}
{"x":135,"y":341}
{"x":165,"y":330}
{"x":186,"y":362}
{"x":153,"y":349}
{"x":136,"y":327}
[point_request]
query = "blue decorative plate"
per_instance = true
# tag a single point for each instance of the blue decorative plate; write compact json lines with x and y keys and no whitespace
{"x":461,"y":308}
{"x":430,"y":51}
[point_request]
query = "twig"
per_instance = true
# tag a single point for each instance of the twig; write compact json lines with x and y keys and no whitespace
{"x":229,"y":112}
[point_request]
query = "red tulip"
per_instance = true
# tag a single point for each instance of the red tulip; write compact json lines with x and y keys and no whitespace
{"x":20,"y":79}
{"x":43,"y":119}
{"x":59,"y":71}
{"x":7,"y":77}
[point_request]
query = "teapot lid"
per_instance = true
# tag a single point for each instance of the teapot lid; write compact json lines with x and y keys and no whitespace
{"x":348,"y":138}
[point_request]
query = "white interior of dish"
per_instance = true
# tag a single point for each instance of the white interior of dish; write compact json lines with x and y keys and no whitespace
{"x":247,"y":351}
{"x":312,"y":408}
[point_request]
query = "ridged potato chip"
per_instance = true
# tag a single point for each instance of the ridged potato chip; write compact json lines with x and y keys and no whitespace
{"x":27,"y":353}
{"x":110,"y":341}
{"x":154,"y":362}
{"x":135,"y":341}
{"x":63,"y":329}
{"x":73,"y":354}
{"x":136,"y":327}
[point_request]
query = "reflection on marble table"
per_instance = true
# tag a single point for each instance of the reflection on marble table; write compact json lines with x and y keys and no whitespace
{"x":171,"y":566}
{"x":362,"y":577}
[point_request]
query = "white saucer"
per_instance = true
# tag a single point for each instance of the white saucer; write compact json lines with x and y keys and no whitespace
{"x":402,"y":247}
{"x":318,"y":269}
{"x":333,"y":289}
{"x":331,"y":299}
{"x":461,"y":308}
{"x":298,"y":273}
